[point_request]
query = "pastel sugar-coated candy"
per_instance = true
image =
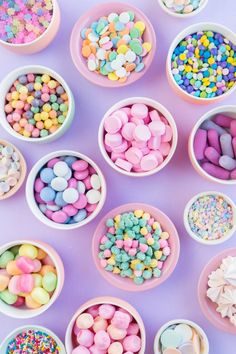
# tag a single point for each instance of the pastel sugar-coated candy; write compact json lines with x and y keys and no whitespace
{"x":136,"y":247}
{"x":10,"y":168}
{"x":215,"y":146}
{"x":26,"y":280}
{"x":114,"y":46}
{"x":67,"y":190}
{"x":36,"y":105}
{"x":182,"y":6}
{"x":202,"y":64}
{"x":111,"y":336}
{"x":137,"y":138}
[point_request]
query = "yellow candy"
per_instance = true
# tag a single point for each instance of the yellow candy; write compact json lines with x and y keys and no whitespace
{"x":111,"y":261}
{"x":234,"y":63}
{"x":44,"y":115}
{"x":23,"y":89}
{"x":55,"y":121}
{"x":46,"y":269}
{"x":14,"y":103}
{"x":156,"y":225}
{"x":230,"y":60}
{"x":230,"y":84}
{"x":182,"y":56}
{"x":146,"y":216}
{"x":211,"y":60}
{"x":112,"y":77}
{"x":37,"y":86}
{"x":47,"y":107}
{"x":45,"y":78}
{"x":37,"y":280}
{"x":12,"y":268}
{"x":203,"y":38}
{"x":116,"y":270}
{"x":15,"y":95}
{"x":158,"y":254}
{"x":30,"y":303}
{"x":138,"y":213}
{"x":140,"y":26}
{"x":143,"y":231}
{"x":26,"y":134}
{"x":30,"y":99}
{"x":228,"y":47}
{"x":150,"y":241}
{"x":37,"y":117}
{"x":117,"y":218}
{"x":40,"y":295}
{"x":165,"y":235}
{"x":27,"y":250}
{"x":147,"y":46}
{"x":122,"y":49}
{"x":214,"y":89}
{"x":188,"y":69}
{"x":52,"y":84}
{"x":154,"y":263}
{"x":134,"y":263}
{"x":206,"y":43}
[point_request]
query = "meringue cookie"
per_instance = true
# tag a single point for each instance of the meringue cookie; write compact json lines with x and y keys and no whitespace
{"x":216,"y":279}
{"x":215,"y":293}
{"x":225,"y":310}
{"x":230,"y":274}
{"x":226,"y":262}
{"x":233,"y":320}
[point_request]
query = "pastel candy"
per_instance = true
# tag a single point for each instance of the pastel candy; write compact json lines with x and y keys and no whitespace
{"x":113,"y":140}
{"x":29,"y":251}
{"x":226,"y":145}
{"x":31,"y":303}
{"x":212,"y":155}
{"x":128,"y":131}
{"x":170,"y":338}
{"x":5,"y":258}
{"x":80,"y":350}
{"x":49,"y":281}
{"x":142,"y":133}
{"x":172,"y":351}
{"x":222,"y":120}
{"x":233,"y":174}
{"x":216,"y":171}
{"x":26,"y":283}
{"x":154,"y":115}
{"x":116,"y":333}
{"x":70,"y":195}
{"x":157,"y":128}
{"x":165,"y":149}
{"x":133,"y":328}
{"x":133,"y":155}
{"x":106,"y":311}
{"x":167,"y":136}
{"x":112,"y":124}
{"x":213,"y":139}
{"x":85,"y":337}
{"x":84,"y":321}
{"x":234,"y":145}
{"x":8,"y":297}
{"x":60,"y":169}
{"x":25,"y":264}
{"x":95,"y":350}
{"x":209,"y":124}
{"x":12,"y":268}
{"x":40,"y":296}
{"x":233,"y":128}
{"x":139,"y":110}
{"x":59,"y":184}
{"x":80,"y":165}
{"x":132,"y":343}
{"x":13,"y":286}
{"x":199,"y":144}
{"x":99,"y":324}
{"x":115,"y":348}
{"x":155,"y":142}
{"x":148,"y":162}
{"x":184,"y":331}
{"x":102,"y":340}
{"x":59,"y":216}
{"x":227,"y":162}
{"x":187,"y":348}
{"x":19,"y":302}
{"x":4,"y":279}
{"x":125,"y":165}
{"x":120,"y":320}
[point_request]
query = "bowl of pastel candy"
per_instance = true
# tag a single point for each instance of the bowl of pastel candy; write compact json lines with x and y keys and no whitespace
{"x":136,"y":247}
{"x":113,"y":44}
{"x":65,"y":190}
{"x":217,"y":291}
{"x":183,"y":8}
{"x":106,"y":325}
{"x":31,"y":278}
{"x":137,"y":137}
{"x":12,"y":169}
{"x":201,"y":63}
{"x":212,"y":145}
{"x":181,"y":337}
{"x":36,"y":104}
{"x":32,"y":339}
{"x":28,"y":26}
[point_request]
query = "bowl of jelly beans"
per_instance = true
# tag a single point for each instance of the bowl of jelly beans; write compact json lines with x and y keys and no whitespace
{"x":181,"y":336}
{"x":201,"y":63}
{"x":113,"y":45}
{"x":138,"y":136}
{"x":135,"y":247}
{"x":65,"y":190}
{"x":212,"y":145}
{"x":106,"y":325}
{"x":28,"y":26}
{"x":36,"y":339}
{"x":12,"y":169}
{"x":31,"y":278}
{"x":36,"y":104}
{"x":183,"y":8}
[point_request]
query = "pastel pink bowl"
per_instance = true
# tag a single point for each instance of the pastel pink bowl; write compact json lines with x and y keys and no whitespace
{"x":70,"y":345}
{"x":92,"y":15}
{"x":207,"y":306}
{"x":170,"y":264}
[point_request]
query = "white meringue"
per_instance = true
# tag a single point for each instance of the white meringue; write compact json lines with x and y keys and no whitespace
{"x":233,"y":320}
{"x":226,"y":262}
{"x":225,"y":310}
{"x":228,"y":297}
{"x":215,"y":293}
{"x":230,"y":274}
{"x":216,"y":279}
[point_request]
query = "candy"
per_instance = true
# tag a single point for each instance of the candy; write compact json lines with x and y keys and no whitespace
{"x":181,"y":6}
{"x":49,"y":281}
{"x":84,"y":321}
{"x":132,"y":343}
{"x":199,"y":145}
{"x":85,"y":337}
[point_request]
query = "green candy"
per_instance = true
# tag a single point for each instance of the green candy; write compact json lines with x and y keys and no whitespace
{"x":55,"y":106}
{"x":43,"y":133}
{"x":38,"y":79}
{"x":136,"y":46}
{"x":63,"y":107}
{"x":109,"y":268}
{"x":147,"y":274}
{"x":141,"y":256}
{"x":5,"y":258}
{"x":15,"y":250}
{"x":156,"y":273}
{"x":110,"y":223}
{"x":32,"y":121}
{"x":108,"y":244}
{"x":53,"y":98}
{"x":8,"y":297}
{"x":131,"y":15}
{"x":61,"y":119}
{"x":138,"y":280}
{"x":100,"y":27}
{"x":49,"y":281}
{"x":112,"y":56}
{"x":134,"y":33}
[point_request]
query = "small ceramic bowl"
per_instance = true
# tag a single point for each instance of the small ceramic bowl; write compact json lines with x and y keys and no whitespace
{"x":193,"y":235}
{"x":204,"y":26}
{"x":170,"y":264}
{"x":197,"y":328}
{"x":201,"y":6}
{"x":23,"y":171}
{"x":23,"y":312}
{"x":6,"y":84}
{"x":70,"y":345}
{"x":128,"y":102}
{"x":30,"y":190}
{"x":42,"y":41}
{"x":228,"y":111}
{"x":208,"y":307}
{"x":94,"y":14}
{"x":19,"y":330}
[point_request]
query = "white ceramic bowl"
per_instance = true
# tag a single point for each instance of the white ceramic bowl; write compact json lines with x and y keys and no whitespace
{"x":42,"y":41}
{"x":227,"y":110}
{"x":17,"y":331}
{"x":193,"y":235}
{"x":6,"y":84}
{"x":23,"y":312}
{"x":30,"y":190}
{"x":153,"y":104}
{"x":199,"y":330}
{"x":202,"y":5}
{"x":203,"y":26}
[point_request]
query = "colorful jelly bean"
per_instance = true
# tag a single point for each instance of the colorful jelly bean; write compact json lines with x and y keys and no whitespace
{"x":204,"y":64}
{"x":182,"y":6}
{"x":36,"y":105}
{"x":10,"y":168}
{"x":114,"y":46}
{"x":135,"y":246}
{"x":24,"y":21}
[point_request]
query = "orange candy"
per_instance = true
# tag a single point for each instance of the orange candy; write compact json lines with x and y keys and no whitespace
{"x":86,"y":51}
{"x":12,"y":268}
{"x":47,"y":268}
{"x":30,"y":303}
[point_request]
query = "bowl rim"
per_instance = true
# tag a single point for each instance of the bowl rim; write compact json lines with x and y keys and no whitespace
{"x":106,"y":300}
{"x":201,"y":7}
{"x":217,"y":321}
{"x":195,"y":326}
{"x":30,"y":313}
{"x":20,"y":329}
{"x":128,"y":285}
{"x":29,"y":69}
{"x":193,"y":235}
{"x":153,"y":104}
{"x":226,"y":109}
{"x":200,"y":26}
{"x":55,"y":9}
{"x":23,"y":164}
{"x":30,"y":188}
{"x":81,"y":65}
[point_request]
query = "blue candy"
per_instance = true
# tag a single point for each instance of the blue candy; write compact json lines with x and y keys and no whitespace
{"x":81,"y":215}
{"x":47,"y":194}
{"x":47,"y":175}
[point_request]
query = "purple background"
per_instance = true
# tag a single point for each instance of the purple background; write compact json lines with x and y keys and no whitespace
{"x":169,"y":190}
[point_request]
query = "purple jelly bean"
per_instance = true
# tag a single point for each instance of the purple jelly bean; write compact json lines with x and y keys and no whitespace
{"x":233,"y":174}
{"x":233,"y":128}
{"x":234,"y":146}
{"x":226,"y":145}
{"x":222,"y":120}
{"x":209,"y":124}
{"x":227,"y":162}
{"x":212,"y":155}
{"x":213,"y":140}
{"x":199,"y":144}
{"x":216,"y":171}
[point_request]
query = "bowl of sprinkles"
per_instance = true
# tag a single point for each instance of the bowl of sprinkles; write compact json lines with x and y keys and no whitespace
{"x":113,"y":45}
{"x":210,"y":218}
{"x":28,"y":26}
{"x":36,"y":104}
{"x":183,"y":8}
{"x":32,"y":339}
{"x":135,"y":247}
{"x":201,"y":63}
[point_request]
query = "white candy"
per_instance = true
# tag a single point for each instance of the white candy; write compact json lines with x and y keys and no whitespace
{"x":15,"y":156}
{"x":101,"y":54}
{"x":124,"y":17}
{"x":104,"y":30}
{"x":68,"y":175}
{"x":53,"y":207}
{"x":81,"y":187}
{"x":185,"y":332}
{"x":60,"y":169}
{"x":104,"y":40}
{"x":4,"y":187}
{"x":12,"y":181}
{"x":126,"y":38}
{"x":116,"y":65}
{"x":93,"y":196}
{"x":95,"y":182}
{"x":70,"y":195}
{"x":92,"y":65}
{"x":7,"y":151}
{"x":112,"y":16}
{"x":130,"y":56}
{"x":93,"y":37}
{"x":121,"y":72}
{"x":121,"y":59}
{"x":59,"y":184}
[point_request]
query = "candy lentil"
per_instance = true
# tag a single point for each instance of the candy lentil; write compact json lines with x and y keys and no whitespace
{"x":10,"y":168}
{"x":182,"y":6}
{"x":204,"y":64}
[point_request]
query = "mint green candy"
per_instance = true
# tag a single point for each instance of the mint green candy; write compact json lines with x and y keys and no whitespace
{"x":147,"y":274}
{"x":134,"y":33}
{"x":63,"y":107}
{"x":43,"y":133}
{"x":61,"y":119}
{"x":131,"y":15}
{"x":136,"y":47}
{"x":156,"y":273}
{"x":8,"y":297}
{"x":49,"y":281}
{"x":138,"y":280}
{"x":5,"y":258}
{"x":53,"y":98}
{"x":55,"y":106}
{"x":15,"y":250}
{"x":112,"y":56}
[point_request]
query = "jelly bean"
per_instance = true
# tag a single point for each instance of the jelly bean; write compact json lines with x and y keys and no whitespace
{"x":216,"y":171}
{"x":40,"y":295}
{"x":49,"y":281}
{"x":223,"y":121}
{"x":226,"y":145}
{"x":29,"y":251}
{"x":8,"y":297}
{"x":212,"y":155}
{"x":227,"y":162}
{"x":213,"y":139}
{"x":200,"y":141}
